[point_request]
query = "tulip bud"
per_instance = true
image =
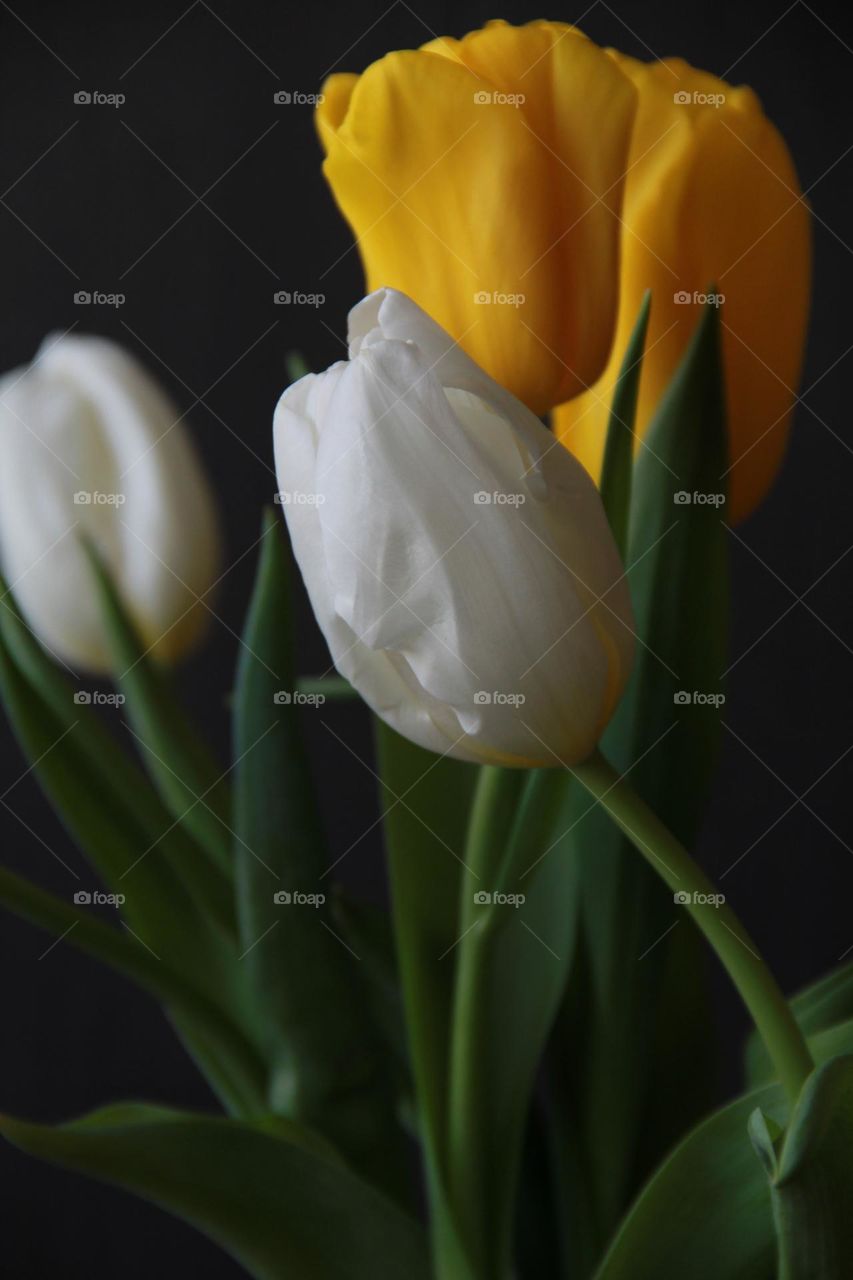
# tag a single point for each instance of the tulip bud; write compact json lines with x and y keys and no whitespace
{"x":90,"y":445}
{"x":712,"y":206}
{"x":459,"y":561}
{"x":483,"y":177}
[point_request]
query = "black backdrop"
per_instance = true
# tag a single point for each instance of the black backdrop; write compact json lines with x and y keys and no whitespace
{"x":199,"y":197}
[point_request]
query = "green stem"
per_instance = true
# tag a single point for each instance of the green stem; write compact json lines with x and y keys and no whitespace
{"x":735,"y":949}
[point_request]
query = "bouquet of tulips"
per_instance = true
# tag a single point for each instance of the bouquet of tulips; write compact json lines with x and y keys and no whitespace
{"x":572,"y":373}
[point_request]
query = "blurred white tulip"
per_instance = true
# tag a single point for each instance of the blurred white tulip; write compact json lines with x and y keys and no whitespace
{"x":458,"y":559}
{"x":89,"y":444}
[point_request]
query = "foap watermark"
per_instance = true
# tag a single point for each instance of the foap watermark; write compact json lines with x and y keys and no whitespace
{"x":684,"y":698}
{"x":96,"y":898}
{"x":96,"y":98}
{"x":95,"y":498}
{"x":97,"y":698}
{"x":298,"y":498}
{"x":295,"y":298}
{"x":684,"y":298}
{"x":496,"y":298}
{"x":494,"y":97}
{"x":98,"y":298}
{"x":683,"y":898}
{"x":296,"y":898}
{"x":497,"y":498}
{"x":683,"y":498}
{"x":683,"y":98}
{"x":485,"y":898}
{"x":297,"y":98}
{"x":483,"y":698}
{"x":296,"y":698}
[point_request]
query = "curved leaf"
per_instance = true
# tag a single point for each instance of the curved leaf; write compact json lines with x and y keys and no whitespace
{"x":225,"y":1056}
{"x":117,"y":774}
{"x":813,"y":1180}
{"x":706,"y":1213}
{"x":265,"y":1193}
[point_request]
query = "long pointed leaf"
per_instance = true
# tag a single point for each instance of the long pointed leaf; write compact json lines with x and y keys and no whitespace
{"x":426,"y":800}
{"x":265,"y":1193}
{"x":117,"y":774}
{"x":330,"y":1067}
{"x":637,"y":942}
{"x":619,"y":446}
{"x":178,"y":761}
{"x":229,"y":1062}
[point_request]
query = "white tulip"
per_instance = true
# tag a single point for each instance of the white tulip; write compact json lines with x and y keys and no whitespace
{"x":89,"y":444}
{"x":457,"y":558}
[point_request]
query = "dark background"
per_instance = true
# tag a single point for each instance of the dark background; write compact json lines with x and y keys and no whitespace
{"x":104,"y":199}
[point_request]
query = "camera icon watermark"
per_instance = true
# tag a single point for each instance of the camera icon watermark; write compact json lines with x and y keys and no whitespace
{"x":683,"y":498}
{"x":296,"y":698}
{"x":482,"y":498}
{"x":684,"y":98}
{"x":485,"y":898}
{"x":296,"y":498}
{"x":497,"y":698}
{"x":684,"y":698}
{"x":497,"y":298}
{"x":94,"y":498}
{"x":683,"y":898}
{"x":296,"y":98}
{"x":98,"y":698}
{"x":95,"y":98}
{"x":83,"y":898}
{"x":295,"y":898}
{"x":97,"y":298}
{"x":295,"y":298}
{"x":486,"y":97}
{"x":684,"y":298}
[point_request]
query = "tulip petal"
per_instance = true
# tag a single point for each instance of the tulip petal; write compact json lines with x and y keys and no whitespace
{"x":711,"y":201}
{"x":472,"y":185}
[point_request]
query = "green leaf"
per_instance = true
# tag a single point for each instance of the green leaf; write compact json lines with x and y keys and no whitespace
{"x":266,"y":1194}
{"x":818,"y":1008}
{"x":706,"y":1213}
{"x":116,"y":773}
{"x":812,"y":1184}
{"x":425,"y":804}
{"x":226,"y":1057}
{"x":515,"y":954}
{"x":329,"y":1064}
{"x":638,"y":1081}
{"x":158,"y":910}
{"x":619,"y":446}
{"x":190,"y":782}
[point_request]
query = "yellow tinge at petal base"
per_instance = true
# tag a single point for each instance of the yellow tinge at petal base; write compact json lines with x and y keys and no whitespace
{"x":711,"y":200}
{"x":483,"y":178}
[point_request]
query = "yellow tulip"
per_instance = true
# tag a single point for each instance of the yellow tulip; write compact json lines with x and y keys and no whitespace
{"x":483,"y":177}
{"x":711,"y":198}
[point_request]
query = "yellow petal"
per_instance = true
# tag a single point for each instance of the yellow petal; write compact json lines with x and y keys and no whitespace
{"x":468,"y":170}
{"x":711,"y":198}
